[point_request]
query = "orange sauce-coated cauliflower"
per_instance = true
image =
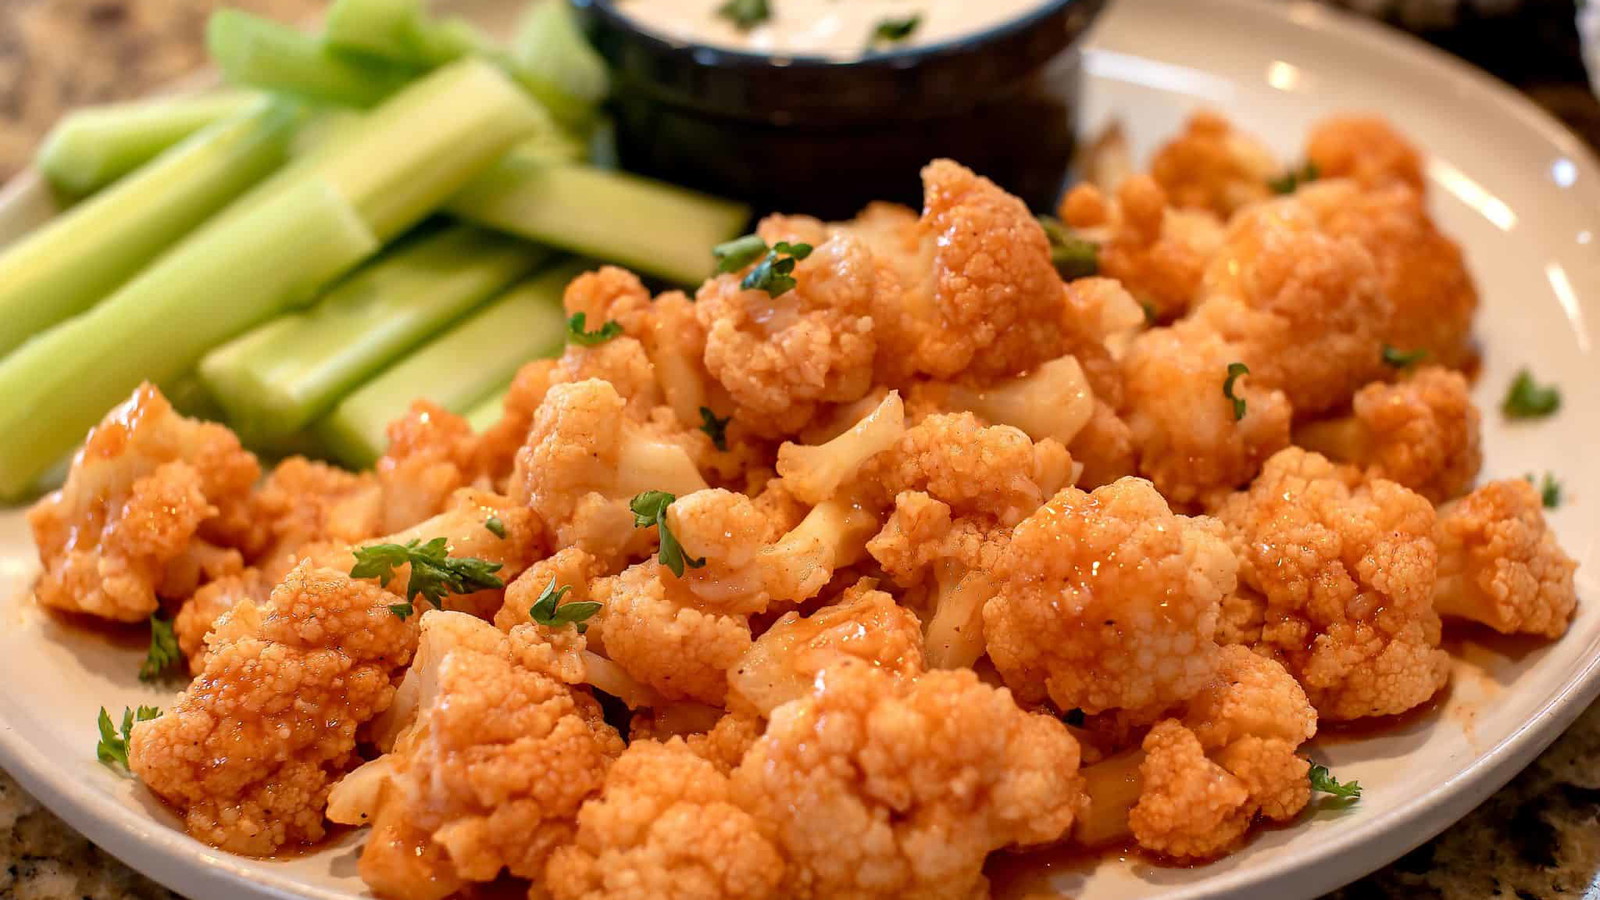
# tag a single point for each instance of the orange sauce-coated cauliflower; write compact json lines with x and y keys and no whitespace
{"x":1500,"y":564}
{"x":1366,"y":149}
{"x":1214,"y":167}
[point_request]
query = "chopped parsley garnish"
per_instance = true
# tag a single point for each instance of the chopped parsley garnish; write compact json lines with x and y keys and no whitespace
{"x":715,"y":428}
{"x":1528,"y":399}
{"x":1396,"y":358}
{"x":1073,"y":256}
{"x":745,"y":14}
{"x":739,"y":252}
{"x":577,"y":334}
{"x":113,"y":747}
{"x":1322,"y":780}
{"x":775,"y":273}
{"x":495,"y":526}
{"x":434,"y":573}
{"x":1290,"y":181}
{"x":1234,"y":371}
{"x":547,"y":610}
{"x":650,"y":508}
{"x":893,"y":31}
{"x":163,"y":653}
{"x":1549,"y":489}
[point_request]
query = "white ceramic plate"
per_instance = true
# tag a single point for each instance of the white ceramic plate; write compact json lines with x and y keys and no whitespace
{"x":1517,"y":190}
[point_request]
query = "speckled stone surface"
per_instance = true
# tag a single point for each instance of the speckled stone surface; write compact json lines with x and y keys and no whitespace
{"x":1537,"y":839}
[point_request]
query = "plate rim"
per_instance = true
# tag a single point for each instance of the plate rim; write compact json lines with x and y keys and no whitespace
{"x":171,"y":857}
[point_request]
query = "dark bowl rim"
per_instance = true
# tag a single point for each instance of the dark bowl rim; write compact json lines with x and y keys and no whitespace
{"x":713,"y":56}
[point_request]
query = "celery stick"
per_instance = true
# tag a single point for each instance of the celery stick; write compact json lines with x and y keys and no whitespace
{"x":551,"y":58}
{"x":225,"y":278}
{"x":487,"y":411}
{"x":648,"y":225}
{"x":276,"y":379}
{"x":189,"y":395}
{"x":79,"y":257}
{"x":458,"y":369}
{"x":384,"y":28}
{"x":90,"y":148}
{"x":264,"y":54}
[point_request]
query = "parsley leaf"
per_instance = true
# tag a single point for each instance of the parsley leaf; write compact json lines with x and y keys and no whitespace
{"x":893,"y":31}
{"x":739,"y":252}
{"x":745,"y":14}
{"x":434,"y":573}
{"x":163,"y":653}
{"x":1073,"y":256}
{"x":650,"y":508}
{"x":1322,"y":780}
{"x":577,"y":334}
{"x":113,"y":747}
{"x":1396,"y":358}
{"x":1234,"y":371}
{"x":1549,"y":489}
{"x":715,"y":428}
{"x":547,"y":610}
{"x":495,"y":527}
{"x":1290,"y":181}
{"x":1528,"y":399}
{"x":775,"y":273}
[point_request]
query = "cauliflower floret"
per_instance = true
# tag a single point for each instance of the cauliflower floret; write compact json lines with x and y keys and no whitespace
{"x":1340,"y":573}
{"x":1366,"y":149}
{"x":585,"y":459}
{"x":1421,"y":433}
{"x":1109,"y":601}
{"x":1104,"y":448}
{"x":780,"y":358}
{"x":815,"y":473}
{"x":1431,"y":294}
{"x":1304,"y":306}
{"x":1054,"y":401}
{"x":247,"y":753}
{"x":1158,"y":253}
{"x":993,"y":470}
{"x":432,"y":452}
{"x":666,"y":826}
{"x":568,"y":567}
{"x":1500,"y":564}
{"x":146,"y":491}
{"x":968,"y":289}
{"x":1182,"y":423}
{"x":664,"y":636}
{"x":200,"y":612}
{"x":492,"y":770}
{"x":1201,"y":778}
{"x":1214,"y":167}
{"x":304,"y":502}
{"x":880,"y":786}
{"x":865,"y":624}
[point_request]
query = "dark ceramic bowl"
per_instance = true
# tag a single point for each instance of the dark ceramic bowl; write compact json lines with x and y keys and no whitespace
{"x":825,"y":137}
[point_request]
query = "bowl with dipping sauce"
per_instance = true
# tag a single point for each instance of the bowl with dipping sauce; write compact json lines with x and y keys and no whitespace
{"x":821,"y":106}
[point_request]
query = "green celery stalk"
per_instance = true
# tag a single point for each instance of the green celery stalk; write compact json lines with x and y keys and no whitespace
{"x":487,"y":411}
{"x":189,"y":395}
{"x":279,"y":377}
{"x":457,"y":369}
{"x":90,"y":148}
{"x":550,"y":56}
{"x":79,"y":257}
{"x":651,"y":226}
{"x":389,"y":29}
{"x":273,"y":57}
{"x":225,"y":278}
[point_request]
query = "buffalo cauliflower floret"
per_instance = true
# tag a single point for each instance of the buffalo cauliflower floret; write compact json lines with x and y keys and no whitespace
{"x":1182,"y":425}
{"x":1340,"y":573}
{"x":1431,"y":295}
{"x":1214,"y":167}
{"x":1500,"y":564}
{"x":1158,"y":253}
{"x":780,"y":358}
{"x":305,"y":503}
{"x":432,"y":452}
{"x":201,"y":611}
{"x":146,"y":491}
{"x":247,"y":753}
{"x":585,"y":459}
{"x":1421,"y":433}
{"x":816,"y":473}
{"x":878,"y":786}
{"x":1108,"y":601}
{"x":1304,"y":306}
{"x":491,"y":772}
{"x":568,"y":567}
{"x":1365,"y":149}
{"x":666,"y":826}
{"x":780,"y":666}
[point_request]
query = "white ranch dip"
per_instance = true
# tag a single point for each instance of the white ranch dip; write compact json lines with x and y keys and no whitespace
{"x":835,"y":29}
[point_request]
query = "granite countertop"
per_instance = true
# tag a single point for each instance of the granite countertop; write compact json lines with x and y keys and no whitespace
{"x":1537,"y":839}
